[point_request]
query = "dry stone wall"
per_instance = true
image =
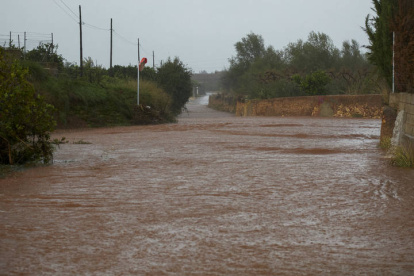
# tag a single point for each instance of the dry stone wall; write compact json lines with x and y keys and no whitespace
{"x":364,"y":106}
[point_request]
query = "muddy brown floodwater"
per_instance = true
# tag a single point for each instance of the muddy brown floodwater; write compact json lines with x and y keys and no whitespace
{"x":212,"y":194}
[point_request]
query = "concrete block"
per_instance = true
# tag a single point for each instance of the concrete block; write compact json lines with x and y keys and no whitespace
{"x":404,"y":97}
{"x":407,"y":98}
{"x":395,"y":100}
{"x":406,"y":128}
{"x":411,"y":98}
{"x":401,"y":106}
{"x":409,"y":118}
{"x":398,"y":129}
{"x":409,"y":129}
{"x":409,"y":108}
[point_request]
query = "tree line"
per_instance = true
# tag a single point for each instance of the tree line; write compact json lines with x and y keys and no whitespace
{"x":311,"y":67}
{"x":317,"y":67}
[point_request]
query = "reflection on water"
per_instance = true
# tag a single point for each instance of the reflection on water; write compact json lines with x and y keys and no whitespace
{"x":212,"y":194}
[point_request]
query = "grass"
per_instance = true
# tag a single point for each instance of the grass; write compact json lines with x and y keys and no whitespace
{"x":404,"y":156}
{"x":385,"y":143}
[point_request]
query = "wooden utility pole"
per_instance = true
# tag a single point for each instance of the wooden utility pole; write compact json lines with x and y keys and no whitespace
{"x":24,"y":50}
{"x":110,"y":58}
{"x":81,"y":50}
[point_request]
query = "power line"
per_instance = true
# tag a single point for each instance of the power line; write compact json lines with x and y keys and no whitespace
{"x":65,"y":11}
{"x":95,"y":27}
{"x":125,"y":39}
{"x":75,"y":17}
{"x":70,"y":9}
{"x":145,"y":50}
{"x":32,"y":33}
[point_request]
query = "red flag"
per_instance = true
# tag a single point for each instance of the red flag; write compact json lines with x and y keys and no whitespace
{"x":142,"y":64}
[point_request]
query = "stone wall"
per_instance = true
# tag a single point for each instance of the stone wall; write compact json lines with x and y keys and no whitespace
{"x":403,"y":103}
{"x":364,"y":106}
{"x":223,"y":103}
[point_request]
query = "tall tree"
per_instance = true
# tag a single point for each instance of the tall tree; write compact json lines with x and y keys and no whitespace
{"x":249,"y":49}
{"x":403,"y":26}
{"x":317,"y":53}
{"x":351,"y":56}
{"x":251,"y":54}
{"x":378,"y":29}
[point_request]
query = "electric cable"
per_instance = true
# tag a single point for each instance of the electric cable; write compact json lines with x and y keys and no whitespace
{"x":95,"y":27}
{"x":125,"y":39}
{"x":65,"y":11}
{"x":69,"y":9}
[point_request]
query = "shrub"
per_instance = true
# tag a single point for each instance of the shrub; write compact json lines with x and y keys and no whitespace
{"x":25,"y":118}
{"x":175,"y":79}
{"x":314,"y":83}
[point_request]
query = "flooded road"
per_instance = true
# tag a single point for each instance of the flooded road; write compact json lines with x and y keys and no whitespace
{"x":212,"y":195}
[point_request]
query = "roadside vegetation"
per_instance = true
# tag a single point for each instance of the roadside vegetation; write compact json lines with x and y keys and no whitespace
{"x":302,"y":68}
{"x":26,"y":119}
{"x":403,"y":155}
{"x":40,"y":91}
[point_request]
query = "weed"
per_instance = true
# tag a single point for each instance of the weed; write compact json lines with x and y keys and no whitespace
{"x":385,"y":143}
{"x":404,"y":156}
{"x":60,"y":141}
{"x":81,"y":142}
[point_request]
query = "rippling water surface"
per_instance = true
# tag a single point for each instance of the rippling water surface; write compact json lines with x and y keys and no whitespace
{"x":212,"y":195}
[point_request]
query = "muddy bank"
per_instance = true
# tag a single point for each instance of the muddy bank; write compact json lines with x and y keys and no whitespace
{"x":213,"y":194}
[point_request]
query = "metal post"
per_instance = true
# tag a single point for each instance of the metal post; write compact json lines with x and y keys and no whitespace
{"x":138,"y":86}
{"x":393,"y":62}
{"x":138,"y":76}
{"x":139,"y":58}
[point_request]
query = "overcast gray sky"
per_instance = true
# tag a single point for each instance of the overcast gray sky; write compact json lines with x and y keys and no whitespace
{"x":202,"y":33}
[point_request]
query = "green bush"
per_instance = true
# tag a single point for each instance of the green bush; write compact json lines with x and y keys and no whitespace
{"x":314,"y":83}
{"x":25,"y":118}
{"x":175,"y":79}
